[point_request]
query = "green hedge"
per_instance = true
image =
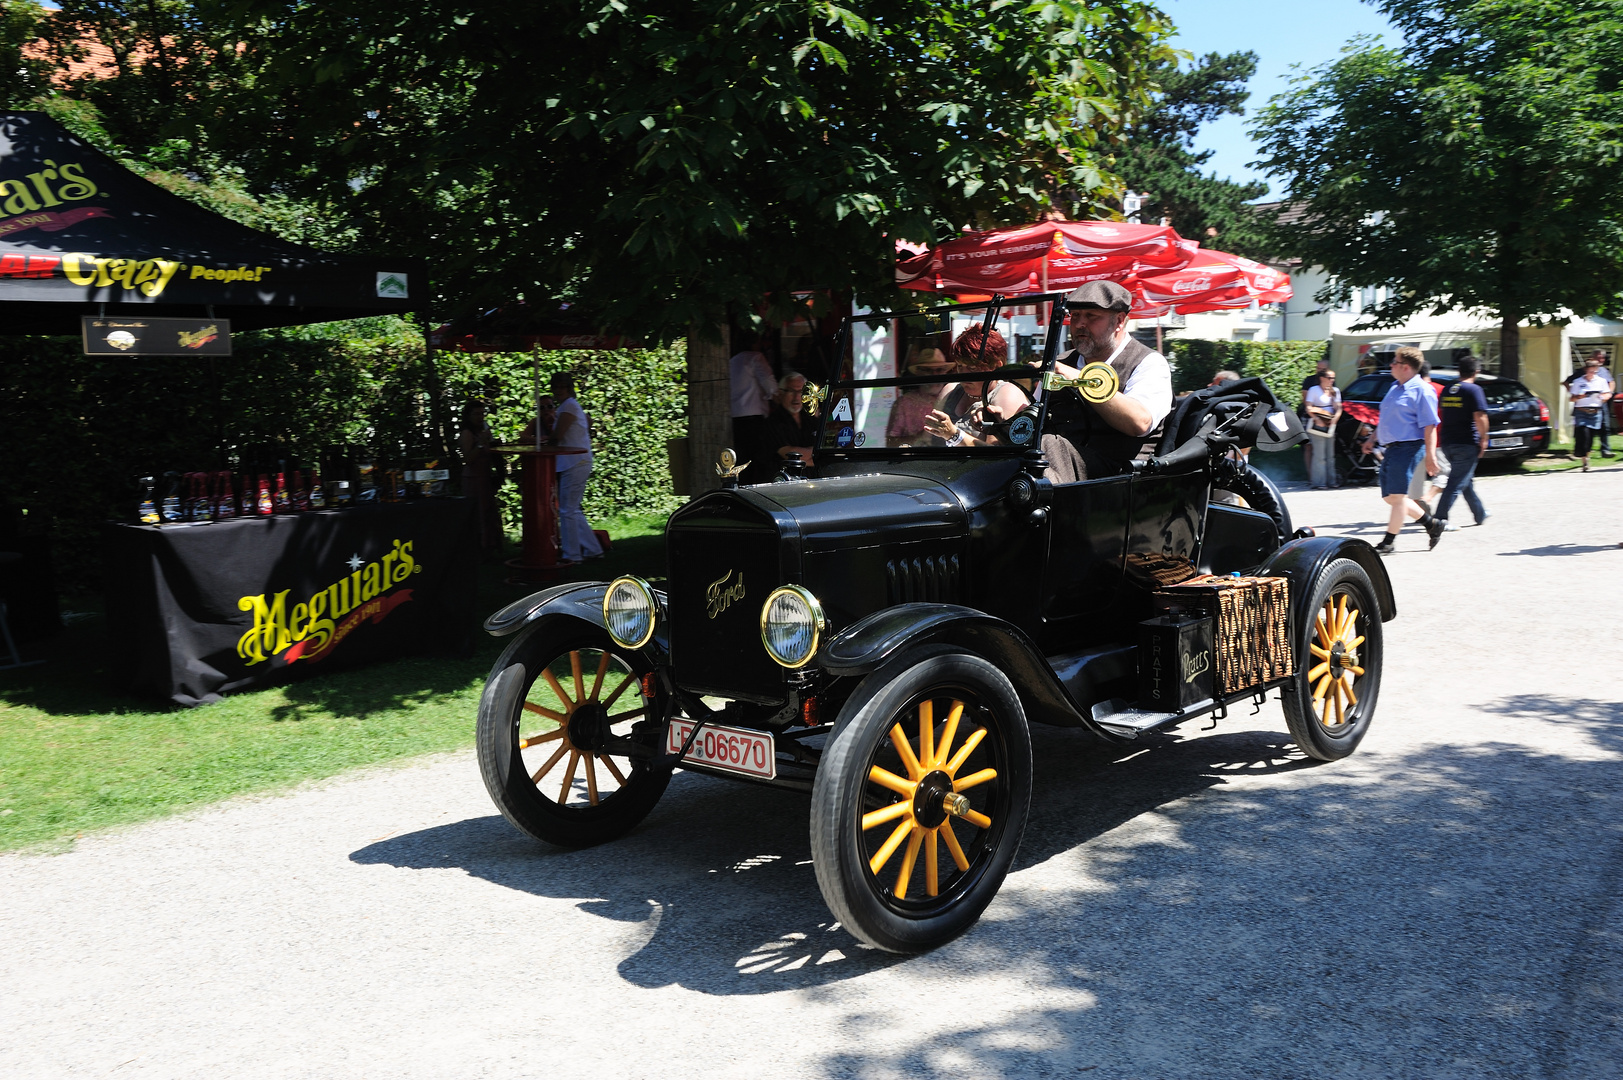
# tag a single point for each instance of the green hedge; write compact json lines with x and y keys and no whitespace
{"x":79,"y":430}
{"x":1282,"y":365}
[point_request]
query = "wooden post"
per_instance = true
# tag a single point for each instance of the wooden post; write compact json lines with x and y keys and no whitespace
{"x":710,"y":421}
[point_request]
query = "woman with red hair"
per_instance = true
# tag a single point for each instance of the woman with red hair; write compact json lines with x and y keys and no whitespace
{"x":959,"y":420}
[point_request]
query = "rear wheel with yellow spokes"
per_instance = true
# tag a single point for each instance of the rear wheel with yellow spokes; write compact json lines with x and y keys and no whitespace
{"x":554,"y":725}
{"x":920,"y":800}
{"x":1332,"y":700}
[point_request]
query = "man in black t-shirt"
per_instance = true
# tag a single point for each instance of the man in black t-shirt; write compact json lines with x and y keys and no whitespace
{"x":1462,"y":437}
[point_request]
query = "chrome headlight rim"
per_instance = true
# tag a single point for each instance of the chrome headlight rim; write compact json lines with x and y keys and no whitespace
{"x":819,"y":624}
{"x":647,"y":592}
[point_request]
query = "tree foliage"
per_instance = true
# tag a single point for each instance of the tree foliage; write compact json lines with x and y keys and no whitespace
{"x":1476,"y":167}
{"x":662,"y":163}
{"x":26,"y":71}
{"x":1160,"y":158}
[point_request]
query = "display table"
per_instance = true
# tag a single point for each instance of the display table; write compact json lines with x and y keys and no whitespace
{"x":538,"y":506}
{"x":196,"y":611}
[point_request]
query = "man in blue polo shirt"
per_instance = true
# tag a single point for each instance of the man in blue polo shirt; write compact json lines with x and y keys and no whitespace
{"x":1408,"y":431}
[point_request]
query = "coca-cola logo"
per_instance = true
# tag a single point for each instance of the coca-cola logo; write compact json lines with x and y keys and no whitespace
{"x":990,"y":269}
{"x":1092,"y":260}
{"x":1193,"y":285}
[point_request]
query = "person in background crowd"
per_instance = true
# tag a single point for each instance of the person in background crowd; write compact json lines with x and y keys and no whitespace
{"x":1224,"y":376}
{"x":1323,"y":405}
{"x":1310,"y":384}
{"x":478,"y":480}
{"x":546,"y":414}
{"x":1590,"y":393}
{"x":753,"y":386}
{"x":1605,"y":372}
{"x":789,"y":430}
{"x":572,"y":429}
{"x":1408,"y":431}
{"x":1419,"y":483}
{"x":1313,"y":380}
{"x":1462,"y":437}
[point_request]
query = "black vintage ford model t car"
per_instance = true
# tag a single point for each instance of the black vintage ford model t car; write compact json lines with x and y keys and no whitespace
{"x":880,"y":635}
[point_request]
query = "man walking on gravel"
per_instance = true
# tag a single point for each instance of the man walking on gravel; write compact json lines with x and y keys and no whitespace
{"x":1462,"y":436}
{"x":1408,"y":432}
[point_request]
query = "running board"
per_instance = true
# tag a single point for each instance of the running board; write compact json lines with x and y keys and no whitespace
{"x":1122,"y":720}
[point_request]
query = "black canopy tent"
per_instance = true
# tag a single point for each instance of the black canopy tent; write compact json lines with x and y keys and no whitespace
{"x":82,"y":235}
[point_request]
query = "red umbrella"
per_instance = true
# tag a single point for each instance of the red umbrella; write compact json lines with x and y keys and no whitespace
{"x":1165,"y":272}
{"x":1061,"y":254}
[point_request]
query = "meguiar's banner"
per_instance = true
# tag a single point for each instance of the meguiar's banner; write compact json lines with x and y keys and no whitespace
{"x":81,"y":235}
{"x":196,"y":611}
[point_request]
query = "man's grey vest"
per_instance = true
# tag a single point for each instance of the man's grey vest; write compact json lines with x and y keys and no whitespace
{"x":1100,"y":439}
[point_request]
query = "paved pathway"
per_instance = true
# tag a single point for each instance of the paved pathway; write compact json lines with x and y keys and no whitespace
{"x":1443,"y":904}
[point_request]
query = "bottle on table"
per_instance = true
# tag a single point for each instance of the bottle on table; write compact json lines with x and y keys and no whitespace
{"x":148,"y":506}
{"x":171,"y":508}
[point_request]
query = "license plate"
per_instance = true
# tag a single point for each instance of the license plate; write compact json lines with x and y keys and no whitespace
{"x":736,"y":750}
{"x":1509,"y":440}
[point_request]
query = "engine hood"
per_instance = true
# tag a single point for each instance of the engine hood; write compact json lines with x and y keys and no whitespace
{"x":842,"y":512}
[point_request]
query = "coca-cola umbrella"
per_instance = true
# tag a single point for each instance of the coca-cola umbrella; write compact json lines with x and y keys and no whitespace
{"x":1212,"y":281}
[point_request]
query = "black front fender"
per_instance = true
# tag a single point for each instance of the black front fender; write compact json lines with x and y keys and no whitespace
{"x":582,"y":600}
{"x":868,"y":643}
{"x":1302,"y":561}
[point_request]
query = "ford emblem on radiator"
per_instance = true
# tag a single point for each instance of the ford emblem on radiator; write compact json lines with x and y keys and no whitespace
{"x":723,"y":591}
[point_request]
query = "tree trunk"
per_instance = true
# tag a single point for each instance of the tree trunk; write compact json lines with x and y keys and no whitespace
{"x":710,"y":422}
{"x":1510,"y":345}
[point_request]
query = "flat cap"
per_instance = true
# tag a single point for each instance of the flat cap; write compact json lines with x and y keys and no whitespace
{"x":1101,"y":294}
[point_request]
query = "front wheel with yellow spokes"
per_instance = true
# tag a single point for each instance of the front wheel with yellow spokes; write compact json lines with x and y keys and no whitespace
{"x":920,"y":799}
{"x":1331,"y":702}
{"x":554,"y":732}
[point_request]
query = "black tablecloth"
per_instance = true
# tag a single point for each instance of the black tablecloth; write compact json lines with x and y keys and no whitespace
{"x":196,"y":611}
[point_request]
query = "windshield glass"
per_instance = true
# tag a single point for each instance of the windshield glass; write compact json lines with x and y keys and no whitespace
{"x":953,"y":377}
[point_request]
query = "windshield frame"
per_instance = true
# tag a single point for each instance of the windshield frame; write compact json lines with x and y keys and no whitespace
{"x":1056,"y":330}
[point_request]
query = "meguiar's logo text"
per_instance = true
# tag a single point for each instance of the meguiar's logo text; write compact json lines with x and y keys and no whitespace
{"x":312,"y":628}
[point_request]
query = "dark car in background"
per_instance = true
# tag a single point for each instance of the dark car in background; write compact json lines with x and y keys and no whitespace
{"x":1518,"y":421}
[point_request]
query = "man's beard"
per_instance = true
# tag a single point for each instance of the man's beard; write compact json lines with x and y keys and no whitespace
{"x":1093,"y":348}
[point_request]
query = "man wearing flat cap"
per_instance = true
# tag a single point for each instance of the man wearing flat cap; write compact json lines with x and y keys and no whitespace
{"x":1103,"y":439}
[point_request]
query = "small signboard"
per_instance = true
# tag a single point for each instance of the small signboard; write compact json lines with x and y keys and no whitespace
{"x":137,"y":336}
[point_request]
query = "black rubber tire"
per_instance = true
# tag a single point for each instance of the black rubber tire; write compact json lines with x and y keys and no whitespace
{"x":1309,"y":721}
{"x":501,"y":760}
{"x":842,"y":792}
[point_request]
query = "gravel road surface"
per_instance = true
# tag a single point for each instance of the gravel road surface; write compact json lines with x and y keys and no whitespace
{"x":1446,"y":903}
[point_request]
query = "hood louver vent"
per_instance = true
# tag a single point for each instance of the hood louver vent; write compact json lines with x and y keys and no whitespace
{"x":934,"y":579}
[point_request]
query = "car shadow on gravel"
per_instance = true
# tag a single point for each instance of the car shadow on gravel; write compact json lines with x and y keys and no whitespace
{"x":720,"y":874}
{"x":1452,"y":911}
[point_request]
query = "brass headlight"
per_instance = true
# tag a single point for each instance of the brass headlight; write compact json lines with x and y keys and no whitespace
{"x":792,"y":625}
{"x":629,"y":610}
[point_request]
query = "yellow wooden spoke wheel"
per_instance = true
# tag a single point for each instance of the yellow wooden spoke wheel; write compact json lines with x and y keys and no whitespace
{"x":929,"y":799}
{"x":554,"y":735}
{"x":920,"y":799}
{"x":1332,"y":701}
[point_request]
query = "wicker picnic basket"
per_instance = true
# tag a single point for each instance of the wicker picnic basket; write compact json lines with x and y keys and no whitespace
{"x":1250,"y":625}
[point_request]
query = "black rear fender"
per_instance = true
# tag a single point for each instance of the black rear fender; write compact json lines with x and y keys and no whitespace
{"x":868,"y":643}
{"x":1302,"y":561}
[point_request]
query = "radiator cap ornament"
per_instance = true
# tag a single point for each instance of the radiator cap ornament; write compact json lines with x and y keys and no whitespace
{"x":728,"y":468}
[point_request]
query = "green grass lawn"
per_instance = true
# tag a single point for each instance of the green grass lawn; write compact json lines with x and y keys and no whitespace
{"x":77,"y":754}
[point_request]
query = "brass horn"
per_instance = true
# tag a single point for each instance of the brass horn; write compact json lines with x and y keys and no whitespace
{"x":1096,"y":382}
{"x":813,"y":397}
